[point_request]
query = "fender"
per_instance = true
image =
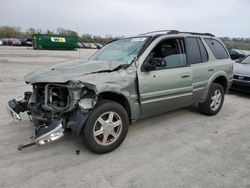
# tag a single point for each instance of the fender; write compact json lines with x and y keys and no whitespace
{"x":127,"y":100}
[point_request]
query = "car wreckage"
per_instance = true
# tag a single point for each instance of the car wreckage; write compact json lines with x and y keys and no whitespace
{"x":127,"y":80}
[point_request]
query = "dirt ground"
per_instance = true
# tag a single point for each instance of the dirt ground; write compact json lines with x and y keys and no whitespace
{"x":179,"y":149}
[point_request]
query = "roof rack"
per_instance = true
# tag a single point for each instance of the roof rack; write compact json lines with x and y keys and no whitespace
{"x":177,"y":32}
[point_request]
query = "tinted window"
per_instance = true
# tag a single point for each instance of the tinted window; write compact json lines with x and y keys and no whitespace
{"x":216,"y":47}
{"x":203,"y":51}
{"x":193,"y":51}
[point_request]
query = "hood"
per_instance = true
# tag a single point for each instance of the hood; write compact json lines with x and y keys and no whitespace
{"x":241,"y":69}
{"x":63,"y":72}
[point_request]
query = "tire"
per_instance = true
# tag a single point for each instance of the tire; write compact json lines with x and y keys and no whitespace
{"x":106,"y":127}
{"x":213,"y":104}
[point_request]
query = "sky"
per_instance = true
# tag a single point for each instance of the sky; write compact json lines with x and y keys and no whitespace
{"x":129,"y":17}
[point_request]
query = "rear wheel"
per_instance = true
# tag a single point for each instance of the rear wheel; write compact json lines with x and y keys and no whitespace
{"x":106,"y":127}
{"x":214,"y":100}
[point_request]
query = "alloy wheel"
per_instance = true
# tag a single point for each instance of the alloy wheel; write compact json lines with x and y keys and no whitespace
{"x":216,"y":100}
{"x":107,"y":128}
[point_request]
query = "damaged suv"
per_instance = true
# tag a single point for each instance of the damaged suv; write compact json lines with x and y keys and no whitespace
{"x":125,"y":81}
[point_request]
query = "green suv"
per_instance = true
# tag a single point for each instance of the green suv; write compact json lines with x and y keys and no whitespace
{"x":127,"y":80}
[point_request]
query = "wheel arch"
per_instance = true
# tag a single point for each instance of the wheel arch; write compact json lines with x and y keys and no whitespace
{"x":119,"y":98}
{"x":222,"y":80}
{"x":219,"y":78}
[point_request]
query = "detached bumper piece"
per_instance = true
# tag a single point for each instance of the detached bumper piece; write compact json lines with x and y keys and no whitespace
{"x":11,"y":108}
{"x":46,"y":134}
{"x":15,"y":107}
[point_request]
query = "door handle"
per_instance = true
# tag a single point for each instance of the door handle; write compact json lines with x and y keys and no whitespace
{"x":210,"y":69}
{"x":185,"y":75}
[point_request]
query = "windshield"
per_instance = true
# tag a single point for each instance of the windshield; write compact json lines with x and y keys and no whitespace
{"x":123,"y":50}
{"x":246,"y":60}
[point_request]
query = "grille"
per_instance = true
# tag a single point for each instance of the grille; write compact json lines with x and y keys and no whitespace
{"x":239,"y":77}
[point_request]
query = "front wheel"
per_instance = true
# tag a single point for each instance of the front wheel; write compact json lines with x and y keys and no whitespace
{"x":214,"y":100}
{"x":106,"y":127}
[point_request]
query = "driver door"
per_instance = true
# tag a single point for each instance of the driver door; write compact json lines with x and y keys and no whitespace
{"x":169,"y":86}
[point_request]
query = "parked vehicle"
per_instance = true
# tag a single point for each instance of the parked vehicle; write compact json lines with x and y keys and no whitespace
{"x":127,"y":80}
{"x":1,"y":43}
{"x":4,"y":41}
{"x":83,"y":44}
{"x":23,"y":42}
{"x":79,"y":45}
{"x":241,"y":79}
{"x":92,"y":46}
{"x":7,"y":41}
{"x":98,"y":45}
{"x":16,"y":42}
{"x":237,"y":54}
{"x":86,"y":45}
{"x":29,"y":42}
{"x":26,"y":42}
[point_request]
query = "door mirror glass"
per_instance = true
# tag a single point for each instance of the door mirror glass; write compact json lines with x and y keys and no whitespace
{"x":149,"y":66}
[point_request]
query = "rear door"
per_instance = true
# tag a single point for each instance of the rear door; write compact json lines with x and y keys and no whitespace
{"x":198,"y":58}
{"x":169,"y":87}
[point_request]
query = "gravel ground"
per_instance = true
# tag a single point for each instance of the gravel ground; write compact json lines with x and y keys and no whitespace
{"x":178,"y":149}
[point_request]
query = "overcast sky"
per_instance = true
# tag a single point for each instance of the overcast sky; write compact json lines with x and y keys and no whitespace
{"x":128,"y":17}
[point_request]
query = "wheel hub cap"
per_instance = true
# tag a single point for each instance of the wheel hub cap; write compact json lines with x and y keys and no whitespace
{"x":107,"y":128}
{"x":216,"y":100}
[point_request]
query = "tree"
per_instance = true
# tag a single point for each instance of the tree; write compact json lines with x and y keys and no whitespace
{"x":10,"y":32}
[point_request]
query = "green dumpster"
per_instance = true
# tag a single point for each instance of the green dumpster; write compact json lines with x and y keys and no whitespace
{"x":54,"y":42}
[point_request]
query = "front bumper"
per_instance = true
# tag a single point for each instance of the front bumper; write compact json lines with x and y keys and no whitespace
{"x":13,"y":114}
{"x":44,"y":133}
{"x":241,"y":85}
{"x":49,"y":133}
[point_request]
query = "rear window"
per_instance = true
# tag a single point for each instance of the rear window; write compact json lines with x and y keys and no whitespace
{"x":217,"y":49}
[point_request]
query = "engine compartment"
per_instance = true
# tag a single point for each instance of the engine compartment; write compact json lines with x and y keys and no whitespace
{"x":54,"y":108}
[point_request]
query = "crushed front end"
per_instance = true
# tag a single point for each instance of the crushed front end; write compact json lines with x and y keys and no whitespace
{"x":54,"y":107}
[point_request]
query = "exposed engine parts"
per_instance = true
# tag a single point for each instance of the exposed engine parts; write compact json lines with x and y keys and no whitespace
{"x":52,"y":108}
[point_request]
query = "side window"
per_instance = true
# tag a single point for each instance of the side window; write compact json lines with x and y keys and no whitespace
{"x":204,"y":55}
{"x":217,"y":49}
{"x":193,"y":50}
{"x":171,"y":52}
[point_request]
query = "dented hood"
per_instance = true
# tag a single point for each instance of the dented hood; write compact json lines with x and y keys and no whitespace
{"x":242,"y":69}
{"x":63,"y":72}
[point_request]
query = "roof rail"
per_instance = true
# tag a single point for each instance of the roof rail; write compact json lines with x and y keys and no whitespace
{"x":159,"y":31}
{"x":194,"y":33}
{"x":177,"y":32}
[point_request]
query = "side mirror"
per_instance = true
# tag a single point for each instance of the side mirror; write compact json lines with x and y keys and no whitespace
{"x":153,"y":63}
{"x":149,"y":66}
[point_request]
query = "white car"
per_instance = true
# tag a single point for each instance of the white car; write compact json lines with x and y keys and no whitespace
{"x":1,"y":43}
